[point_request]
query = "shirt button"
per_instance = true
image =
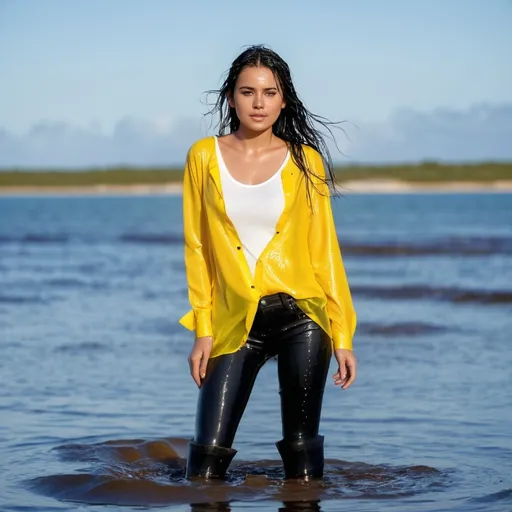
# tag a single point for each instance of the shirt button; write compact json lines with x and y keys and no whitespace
{"x":252,"y":286}
{"x":277,"y":232}
{"x":238,"y":247}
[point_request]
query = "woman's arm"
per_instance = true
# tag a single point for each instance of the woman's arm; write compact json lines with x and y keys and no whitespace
{"x":197,"y":263}
{"x":330,"y":273}
{"x":327,"y":260}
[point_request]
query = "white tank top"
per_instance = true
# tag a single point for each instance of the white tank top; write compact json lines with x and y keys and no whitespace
{"x":253,"y":209}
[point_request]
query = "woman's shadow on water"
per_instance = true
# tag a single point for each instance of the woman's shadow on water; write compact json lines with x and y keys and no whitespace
{"x":142,"y":472}
{"x":288,"y":506}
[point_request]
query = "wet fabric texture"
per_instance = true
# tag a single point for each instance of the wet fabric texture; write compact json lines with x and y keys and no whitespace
{"x":303,"y":258}
{"x":303,"y":353}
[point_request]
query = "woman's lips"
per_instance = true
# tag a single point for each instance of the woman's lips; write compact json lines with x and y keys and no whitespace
{"x":258,"y":117}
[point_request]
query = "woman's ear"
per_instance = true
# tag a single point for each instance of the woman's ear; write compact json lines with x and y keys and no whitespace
{"x":283,"y":101}
{"x":229,"y":96}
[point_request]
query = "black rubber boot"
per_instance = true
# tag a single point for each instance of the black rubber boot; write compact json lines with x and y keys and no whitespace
{"x":208,"y":461}
{"x":302,"y":458}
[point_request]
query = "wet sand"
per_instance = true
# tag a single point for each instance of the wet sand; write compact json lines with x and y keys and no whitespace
{"x":152,"y":472}
{"x":350,"y":187}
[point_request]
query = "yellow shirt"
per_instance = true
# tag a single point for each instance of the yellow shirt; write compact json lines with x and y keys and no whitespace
{"x":303,"y":259}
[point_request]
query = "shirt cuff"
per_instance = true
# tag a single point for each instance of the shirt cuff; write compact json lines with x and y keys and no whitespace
{"x":341,"y":340}
{"x":203,"y":322}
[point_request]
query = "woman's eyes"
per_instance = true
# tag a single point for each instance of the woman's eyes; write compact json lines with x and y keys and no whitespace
{"x":248,"y":93}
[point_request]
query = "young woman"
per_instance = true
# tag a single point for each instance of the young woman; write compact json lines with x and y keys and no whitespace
{"x":264,"y":268}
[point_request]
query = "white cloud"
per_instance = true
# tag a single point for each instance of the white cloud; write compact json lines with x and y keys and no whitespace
{"x":482,"y":132}
{"x":134,"y":142}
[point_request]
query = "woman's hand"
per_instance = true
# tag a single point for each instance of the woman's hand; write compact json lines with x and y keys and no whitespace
{"x":347,"y":363}
{"x":198,"y":358}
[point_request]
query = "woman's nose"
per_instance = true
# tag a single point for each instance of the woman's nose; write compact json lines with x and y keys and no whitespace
{"x":258,"y":101}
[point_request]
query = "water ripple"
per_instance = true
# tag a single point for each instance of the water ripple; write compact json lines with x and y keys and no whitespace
{"x":455,"y":246}
{"x":152,"y":239}
{"x":456,"y":295}
{"x":401,"y":329}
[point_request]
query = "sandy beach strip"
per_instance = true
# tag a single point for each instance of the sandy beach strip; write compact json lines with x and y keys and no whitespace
{"x":136,"y":189}
{"x":347,"y":187}
{"x":400,"y":186}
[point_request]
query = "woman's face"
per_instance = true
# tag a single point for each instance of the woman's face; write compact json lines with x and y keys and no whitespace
{"x":257,"y":98}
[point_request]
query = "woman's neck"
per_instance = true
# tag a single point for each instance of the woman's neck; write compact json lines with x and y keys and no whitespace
{"x":254,"y":141}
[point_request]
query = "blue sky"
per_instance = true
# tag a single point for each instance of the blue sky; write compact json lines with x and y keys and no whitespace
{"x":121,"y":81}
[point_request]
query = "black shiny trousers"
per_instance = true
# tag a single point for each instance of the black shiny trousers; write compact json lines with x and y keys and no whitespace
{"x":303,"y":353}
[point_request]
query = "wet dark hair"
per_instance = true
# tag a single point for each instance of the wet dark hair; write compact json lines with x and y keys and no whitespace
{"x":296,"y":124}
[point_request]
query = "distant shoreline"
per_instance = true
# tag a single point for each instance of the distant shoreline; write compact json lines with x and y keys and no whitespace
{"x":385,"y":186}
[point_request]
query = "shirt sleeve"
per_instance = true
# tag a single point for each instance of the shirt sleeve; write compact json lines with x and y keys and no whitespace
{"x":327,"y":261}
{"x":197,"y":262}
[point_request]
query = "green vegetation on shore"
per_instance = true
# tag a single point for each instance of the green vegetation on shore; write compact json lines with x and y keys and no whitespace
{"x":426,"y":172}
